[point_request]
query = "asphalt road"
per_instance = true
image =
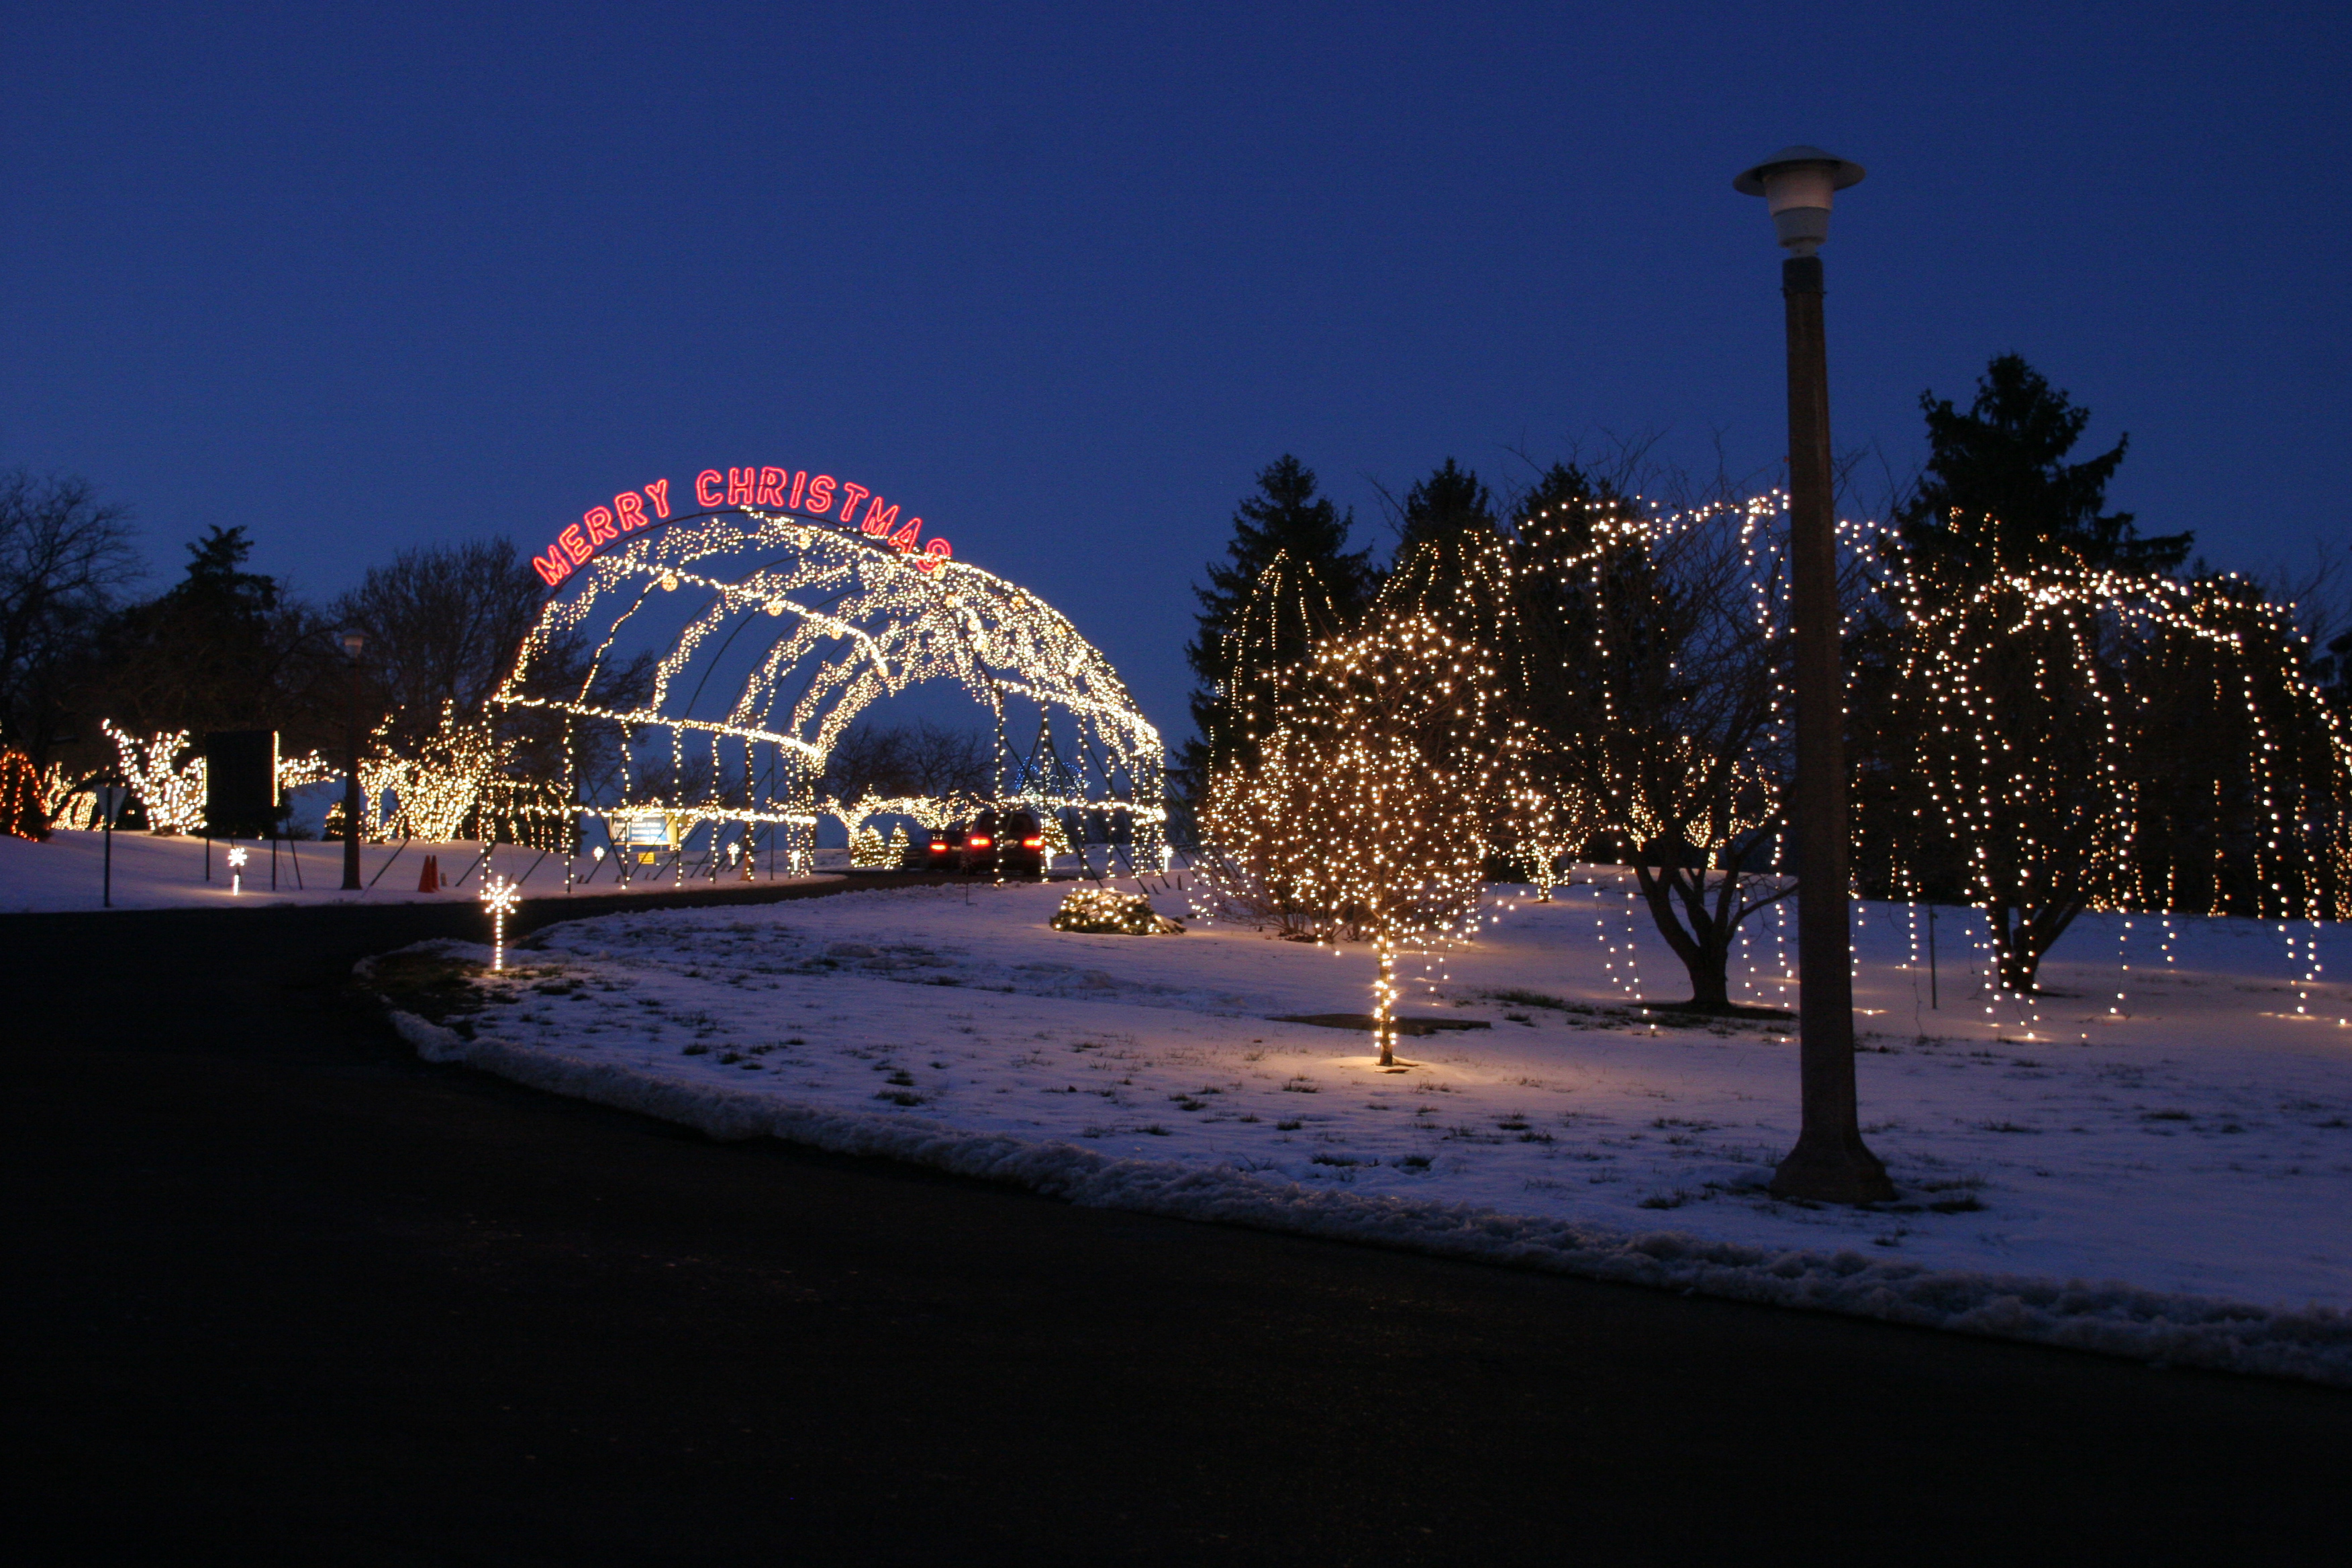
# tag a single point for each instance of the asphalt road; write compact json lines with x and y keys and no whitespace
{"x":278,"y":1291}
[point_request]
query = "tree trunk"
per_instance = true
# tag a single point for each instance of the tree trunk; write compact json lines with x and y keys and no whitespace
{"x":1710,"y":989}
{"x":1704,"y":948}
{"x":1384,"y":993}
{"x":2022,"y":938}
{"x":2014,"y":956}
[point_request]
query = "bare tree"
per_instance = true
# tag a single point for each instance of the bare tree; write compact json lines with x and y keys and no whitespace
{"x":1643,"y":655}
{"x":66,"y":559}
{"x":443,"y":625}
{"x":919,"y":759}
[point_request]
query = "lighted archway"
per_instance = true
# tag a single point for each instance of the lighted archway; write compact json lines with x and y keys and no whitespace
{"x":773,"y":631}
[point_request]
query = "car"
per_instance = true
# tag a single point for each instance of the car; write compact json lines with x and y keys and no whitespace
{"x":939,"y":849}
{"x":1021,"y":850}
{"x":1002,"y":843}
{"x":981,"y":847}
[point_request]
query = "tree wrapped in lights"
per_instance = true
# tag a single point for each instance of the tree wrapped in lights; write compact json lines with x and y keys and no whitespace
{"x":1056,"y":834}
{"x":435,"y":788}
{"x":1641,"y":659}
{"x":1689,"y":734}
{"x":1370,"y":802}
{"x":67,"y":797}
{"x":23,"y":811}
{"x":1263,"y":831}
{"x":312,"y":768}
{"x":867,"y":850}
{"x":2249,"y":819}
{"x":170,"y":792}
{"x":2056,"y":738}
{"x":1288,"y":582}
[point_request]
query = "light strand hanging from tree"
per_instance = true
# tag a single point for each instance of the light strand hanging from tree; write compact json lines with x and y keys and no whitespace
{"x":2043,"y":722}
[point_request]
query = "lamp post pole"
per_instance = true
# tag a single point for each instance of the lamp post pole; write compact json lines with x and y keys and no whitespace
{"x":1830,"y":1162}
{"x":353,"y":643}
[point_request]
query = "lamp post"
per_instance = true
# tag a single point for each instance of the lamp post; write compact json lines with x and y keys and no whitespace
{"x":1830,"y":1162}
{"x":353,"y":643}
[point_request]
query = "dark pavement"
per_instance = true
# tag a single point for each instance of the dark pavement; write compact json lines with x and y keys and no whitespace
{"x":278,"y":1291}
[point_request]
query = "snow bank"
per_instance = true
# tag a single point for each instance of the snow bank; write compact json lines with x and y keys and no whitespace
{"x":2114,"y":1318}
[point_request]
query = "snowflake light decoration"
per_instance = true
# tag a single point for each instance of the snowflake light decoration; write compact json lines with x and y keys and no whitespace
{"x":500,"y":897}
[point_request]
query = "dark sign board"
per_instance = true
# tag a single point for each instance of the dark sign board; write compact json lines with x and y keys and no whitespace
{"x":241,"y":783}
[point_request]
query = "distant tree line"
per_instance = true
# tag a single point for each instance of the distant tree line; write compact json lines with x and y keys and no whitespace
{"x":86,"y":643}
{"x":224,"y":648}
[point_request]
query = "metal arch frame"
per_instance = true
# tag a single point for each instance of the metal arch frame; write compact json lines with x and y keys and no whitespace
{"x":949,"y":618}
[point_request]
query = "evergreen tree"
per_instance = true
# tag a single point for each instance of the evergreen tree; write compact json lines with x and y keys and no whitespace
{"x":224,"y":649}
{"x":1288,"y":579}
{"x":1998,"y":474}
{"x":1998,"y":497}
{"x":1445,"y":509}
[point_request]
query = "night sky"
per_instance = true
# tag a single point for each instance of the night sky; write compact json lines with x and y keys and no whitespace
{"x":1062,"y":278}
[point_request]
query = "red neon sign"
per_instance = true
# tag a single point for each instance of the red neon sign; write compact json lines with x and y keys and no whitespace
{"x":717,"y":490}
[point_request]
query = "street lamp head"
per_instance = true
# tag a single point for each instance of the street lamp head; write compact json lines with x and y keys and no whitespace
{"x":353,"y":643}
{"x":1796,"y":184}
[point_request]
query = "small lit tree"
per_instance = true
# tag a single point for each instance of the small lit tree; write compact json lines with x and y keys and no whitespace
{"x":1371,"y":800}
{"x":1264,"y":825}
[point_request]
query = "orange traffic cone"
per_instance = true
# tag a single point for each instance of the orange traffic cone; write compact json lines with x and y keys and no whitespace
{"x":430,"y":882}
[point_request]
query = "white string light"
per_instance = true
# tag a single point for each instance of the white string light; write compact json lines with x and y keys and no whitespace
{"x":791,"y":630}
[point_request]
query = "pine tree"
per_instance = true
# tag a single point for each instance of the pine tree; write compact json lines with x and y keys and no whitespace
{"x":1253,"y":625}
{"x":1999,"y":473}
{"x":1998,"y":497}
{"x":1445,"y":508}
{"x":222,"y":650}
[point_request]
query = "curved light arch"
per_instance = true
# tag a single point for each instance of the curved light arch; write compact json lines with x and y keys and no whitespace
{"x":775,"y":634}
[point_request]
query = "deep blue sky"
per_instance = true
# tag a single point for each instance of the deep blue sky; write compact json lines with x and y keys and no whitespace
{"x":1064,"y":277}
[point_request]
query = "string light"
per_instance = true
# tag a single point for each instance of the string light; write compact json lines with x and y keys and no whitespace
{"x":792,"y":630}
{"x":2040,"y":717}
{"x":1365,"y":814}
{"x":1107,"y":911}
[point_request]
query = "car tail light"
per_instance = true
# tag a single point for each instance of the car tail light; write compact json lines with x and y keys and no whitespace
{"x":939,"y":846}
{"x":978,"y":841}
{"x":1032,"y":844}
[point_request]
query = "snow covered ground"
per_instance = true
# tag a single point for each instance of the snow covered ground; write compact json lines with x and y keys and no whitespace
{"x":67,"y":872}
{"x":2172,"y":1128}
